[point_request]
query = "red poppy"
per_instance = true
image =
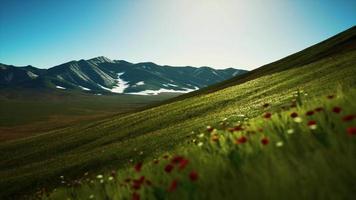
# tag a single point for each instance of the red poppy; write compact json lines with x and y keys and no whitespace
{"x":351,"y":130}
{"x":193,"y":176}
{"x":177,"y":159}
{"x":136,"y":184}
{"x":336,"y":109}
{"x":168,"y":168}
{"x":309,"y":113}
{"x":265,"y":141}
{"x":294,"y":115}
{"x":241,"y":140}
{"x":183,"y":163}
{"x":267,"y":115}
{"x":173,"y":186}
{"x":311,"y":122}
{"x":348,"y":118}
{"x":135,"y":196}
{"x":330,"y":96}
{"x":138,"y":167}
{"x":265,"y":105}
{"x":319,"y":109}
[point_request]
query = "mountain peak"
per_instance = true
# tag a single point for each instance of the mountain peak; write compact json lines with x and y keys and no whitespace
{"x":100,"y":59}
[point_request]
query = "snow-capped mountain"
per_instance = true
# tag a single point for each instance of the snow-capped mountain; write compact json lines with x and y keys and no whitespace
{"x":102,"y":75}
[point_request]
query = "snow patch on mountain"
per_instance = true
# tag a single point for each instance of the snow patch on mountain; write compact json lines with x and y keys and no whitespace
{"x":169,"y":84}
{"x":84,"y":88}
{"x":163,"y":90}
{"x":120,"y":86}
{"x":140,"y":83}
{"x":59,"y":87}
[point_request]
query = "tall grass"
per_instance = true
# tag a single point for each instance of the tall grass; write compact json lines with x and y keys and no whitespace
{"x":299,"y":149}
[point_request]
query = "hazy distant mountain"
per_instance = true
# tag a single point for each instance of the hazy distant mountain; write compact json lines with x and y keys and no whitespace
{"x":102,"y":75}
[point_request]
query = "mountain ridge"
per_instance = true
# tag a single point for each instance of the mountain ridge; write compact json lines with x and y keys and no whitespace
{"x":101,"y":75}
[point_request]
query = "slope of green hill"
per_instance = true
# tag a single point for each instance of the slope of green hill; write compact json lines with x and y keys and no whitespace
{"x":38,"y":161}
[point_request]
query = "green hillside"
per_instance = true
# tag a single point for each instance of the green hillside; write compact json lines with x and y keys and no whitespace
{"x":37,"y":161}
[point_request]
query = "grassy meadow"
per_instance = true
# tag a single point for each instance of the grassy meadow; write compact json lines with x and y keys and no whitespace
{"x":264,"y":160}
{"x":34,"y":113}
{"x":304,"y":149}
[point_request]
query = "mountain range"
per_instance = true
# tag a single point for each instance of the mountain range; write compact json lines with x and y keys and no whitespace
{"x":101,"y":75}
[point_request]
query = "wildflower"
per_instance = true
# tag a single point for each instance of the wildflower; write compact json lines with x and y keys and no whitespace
{"x":318,"y":109}
{"x":168,"y":168}
{"x":201,"y":135}
{"x":265,"y":105}
{"x":209,"y":128}
{"x":138,"y":167}
{"x":131,"y":160}
{"x":241,"y":140}
{"x":351,"y":130}
{"x":135,"y":196}
{"x":267,"y":115}
{"x":101,"y":180}
{"x":193,"y":176}
{"x":136,"y":184}
{"x":200,"y":144}
{"x":110,"y":178}
{"x":309,"y":113}
{"x":99,"y":176}
{"x":173,"y":186}
{"x":91,"y":196}
{"x":61,"y":177}
{"x":238,"y":128}
{"x":177,"y":159}
{"x":294,"y":115}
{"x":348,"y":118}
{"x":141,"y":153}
{"x":183,"y":163}
{"x":279,"y":144}
{"x":290,"y":131}
{"x":312,"y":124}
{"x":336,"y":109}
{"x":265,"y":141}
{"x":330,"y":96}
{"x":298,"y":119}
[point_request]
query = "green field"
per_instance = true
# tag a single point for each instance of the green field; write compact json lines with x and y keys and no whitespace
{"x":121,"y":141}
{"x":27,"y":113}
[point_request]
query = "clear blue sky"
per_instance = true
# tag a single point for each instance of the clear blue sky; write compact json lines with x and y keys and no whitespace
{"x":225,"y":33}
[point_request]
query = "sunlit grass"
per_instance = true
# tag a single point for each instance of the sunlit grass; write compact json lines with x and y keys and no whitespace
{"x":301,"y":149}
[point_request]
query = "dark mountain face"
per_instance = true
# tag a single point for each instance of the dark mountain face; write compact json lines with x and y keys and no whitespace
{"x":102,"y":75}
